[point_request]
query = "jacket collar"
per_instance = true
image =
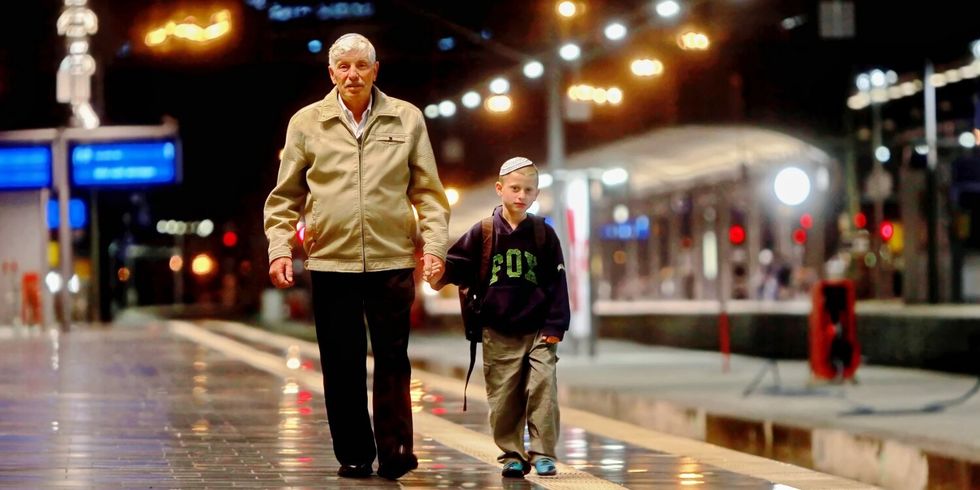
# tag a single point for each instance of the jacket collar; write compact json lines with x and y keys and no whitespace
{"x":329,"y":107}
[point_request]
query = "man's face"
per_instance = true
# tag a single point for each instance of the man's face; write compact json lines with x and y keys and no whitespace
{"x":354,"y":75}
{"x":518,"y":191}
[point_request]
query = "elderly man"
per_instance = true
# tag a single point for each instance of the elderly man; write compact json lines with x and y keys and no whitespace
{"x":354,"y":165}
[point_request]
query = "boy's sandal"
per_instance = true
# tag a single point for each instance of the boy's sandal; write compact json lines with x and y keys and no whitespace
{"x":545,"y":467}
{"x":514,"y":469}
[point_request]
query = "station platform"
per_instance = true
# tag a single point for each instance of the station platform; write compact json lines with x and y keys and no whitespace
{"x":172,"y":404}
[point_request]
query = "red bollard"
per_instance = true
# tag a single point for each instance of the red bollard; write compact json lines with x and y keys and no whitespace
{"x":835,"y":352}
{"x":725,"y":341}
{"x":31,"y":305}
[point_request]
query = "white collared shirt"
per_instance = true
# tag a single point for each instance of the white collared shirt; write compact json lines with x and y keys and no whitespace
{"x":357,"y":128}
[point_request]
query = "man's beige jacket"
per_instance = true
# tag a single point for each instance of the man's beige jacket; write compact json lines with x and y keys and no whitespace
{"x":356,"y":196}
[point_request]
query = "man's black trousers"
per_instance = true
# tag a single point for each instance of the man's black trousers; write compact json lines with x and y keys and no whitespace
{"x":341,"y":304}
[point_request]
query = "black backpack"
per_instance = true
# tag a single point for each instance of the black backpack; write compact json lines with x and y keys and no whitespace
{"x":471,"y":297}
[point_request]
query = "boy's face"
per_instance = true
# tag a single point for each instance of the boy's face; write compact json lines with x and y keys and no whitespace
{"x":518,"y":191}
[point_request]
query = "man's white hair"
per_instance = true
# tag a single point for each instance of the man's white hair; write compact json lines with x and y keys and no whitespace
{"x":352,"y":43}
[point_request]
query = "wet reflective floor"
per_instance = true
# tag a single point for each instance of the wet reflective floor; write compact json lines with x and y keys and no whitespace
{"x":141,"y":407}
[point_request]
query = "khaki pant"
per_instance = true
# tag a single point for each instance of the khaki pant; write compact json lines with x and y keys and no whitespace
{"x":522,"y":390}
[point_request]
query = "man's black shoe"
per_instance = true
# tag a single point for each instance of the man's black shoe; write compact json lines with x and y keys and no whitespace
{"x":355,"y":470}
{"x":396,"y":469}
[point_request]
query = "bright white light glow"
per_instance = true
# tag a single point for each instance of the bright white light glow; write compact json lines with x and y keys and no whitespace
{"x":975,"y":47}
{"x":499,"y":103}
{"x":615,"y":31}
{"x":53,"y":281}
{"x":709,"y":248}
{"x":452,"y":195}
{"x":922,"y":149}
{"x":621,"y":213}
{"x":668,"y":8}
{"x":471,"y":100}
{"x":431,"y":111}
{"x":427,"y":289}
{"x":566,"y":9}
{"x":863,"y":82}
{"x":534,"y":208}
{"x":74,"y":284}
{"x":447,"y":108}
{"x":205,"y":228}
{"x":647,"y":67}
{"x":792,"y":186}
{"x":614,"y":95}
{"x":878,"y":78}
{"x":545,"y":181}
{"x":967,"y":140}
{"x":500,"y":86}
{"x":533,"y":69}
{"x":883,"y":154}
{"x":765,"y":256}
{"x":570,"y":51}
{"x":615,"y":176}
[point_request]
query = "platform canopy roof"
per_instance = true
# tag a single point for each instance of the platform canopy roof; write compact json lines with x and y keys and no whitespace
{"x":666,"y":159}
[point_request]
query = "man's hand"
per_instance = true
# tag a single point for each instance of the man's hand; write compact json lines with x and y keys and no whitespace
{"x":432,"y":268}
{"x":281,"y":272}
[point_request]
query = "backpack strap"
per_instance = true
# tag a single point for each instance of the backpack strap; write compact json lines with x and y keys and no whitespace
{"x":486,"y":229}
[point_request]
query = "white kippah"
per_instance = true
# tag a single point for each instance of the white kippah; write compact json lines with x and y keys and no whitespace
{"x":514,"y":164}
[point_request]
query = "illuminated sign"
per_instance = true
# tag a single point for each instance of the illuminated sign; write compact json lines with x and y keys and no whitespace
{"x":322,"y":11}
{"x":77,"y":214}
{"x":25,"y":167}
{"x":637,"y":229}
{"x":125,"y":163}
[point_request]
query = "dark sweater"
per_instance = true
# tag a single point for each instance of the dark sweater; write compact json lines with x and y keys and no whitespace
{"x":526,"y":288}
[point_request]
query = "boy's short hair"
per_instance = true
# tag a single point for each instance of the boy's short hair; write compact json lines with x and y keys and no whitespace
{"x":520,"y":165}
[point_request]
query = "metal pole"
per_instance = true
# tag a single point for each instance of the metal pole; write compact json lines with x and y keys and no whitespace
{"x":95,"y":255}
{"x":932,"y":159}
{"x":60,"y":161}
{"x":879,"y":204}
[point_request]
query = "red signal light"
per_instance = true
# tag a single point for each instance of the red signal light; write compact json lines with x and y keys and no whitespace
{"x":229,"y":239}
{"x":887,"y":230}
{"x":860,"y":220}
{"x":799,"y":236}
{"x":736,"y":234}
{"x":806,"y":221}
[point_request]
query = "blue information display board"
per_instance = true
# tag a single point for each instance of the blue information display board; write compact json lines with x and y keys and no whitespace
{"x":25,"y":167}
{"x":130,"y":163}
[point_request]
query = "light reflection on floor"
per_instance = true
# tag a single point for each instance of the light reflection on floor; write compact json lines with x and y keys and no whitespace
{"x":136,"y":407}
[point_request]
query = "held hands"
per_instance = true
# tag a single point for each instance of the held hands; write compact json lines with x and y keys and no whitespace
{"x":432,"y":268}
{"x":281,"y":272}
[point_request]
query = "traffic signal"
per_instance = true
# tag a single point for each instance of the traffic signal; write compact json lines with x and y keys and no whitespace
{"x":887,"y":230}
{"x":736,"y":234}
{"x":799,"y":236}
{"x":229,"y":239}
{"x":860,"y":220}
{"x":806,"y":221}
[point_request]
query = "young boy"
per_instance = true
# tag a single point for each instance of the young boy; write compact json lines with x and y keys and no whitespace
{"x":525,"y":309}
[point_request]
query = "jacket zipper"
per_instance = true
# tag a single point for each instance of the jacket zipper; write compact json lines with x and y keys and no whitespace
{"x":360,"y":183}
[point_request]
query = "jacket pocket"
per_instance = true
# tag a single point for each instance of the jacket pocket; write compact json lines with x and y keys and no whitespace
{"x":391,"y":138}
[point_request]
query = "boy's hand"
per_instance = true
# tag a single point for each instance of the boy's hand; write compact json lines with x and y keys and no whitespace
{"x":432,"y":268}
{"x":550,"y":339}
